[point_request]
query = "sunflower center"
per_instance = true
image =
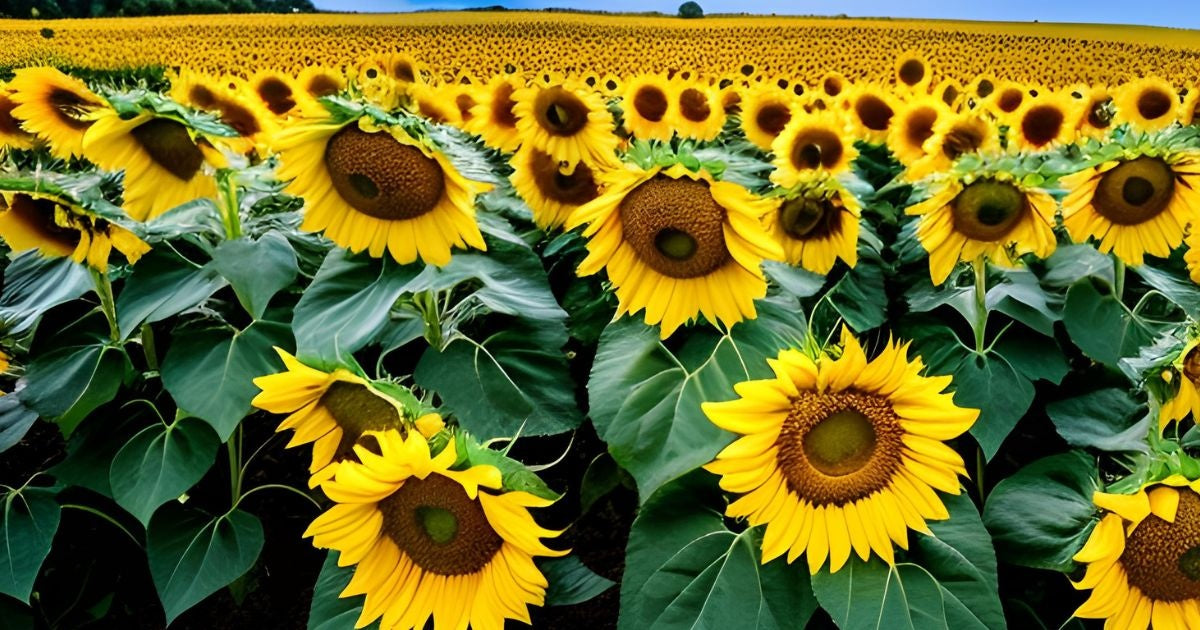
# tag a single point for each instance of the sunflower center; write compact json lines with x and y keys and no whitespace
{"x":815,"y":148}
{"x":70,"y":108}
{"x":575,"y":189}
{"x":322,"y":85}
{"x":1153,"y":104}
{"x":1135,"y":191}
{"x":240,"y":118}
{"x":988,"y":210}
{"x":1098,"y":115}
{"x":560,"y":112}
{"x":277,"y":95}
{"x":1163,"y":559}
{"x":920,"y":126}
{"x":382,"y":178}
{"x":1042,"y":124}
{"x":874,"y":113}
{"x":1009,"y":100}
{"x":772,"y":118}
{"x":356,"y":410}
{"x":439,"y":527}
{"x":404,"y":71}
{"x":202,"y":96}
{"x":38,"y":217}
{"x":9,"y":126}
{"x":1191,"y":365}
{"x":832,"y":86}
{"x":675,"y":226}
{"x":502,"y":106}
{"x":949,"y":95}
{"x":169,"y":144}
{"x":836,"y":448}
{"x":693,"y":105}
{"x":805,"y":218}
{"x":984,"y":88}
{"x":464,"y":103}
{"x":911,"y":72}
{"x":960,"y":140}
{"x":650,"y":103}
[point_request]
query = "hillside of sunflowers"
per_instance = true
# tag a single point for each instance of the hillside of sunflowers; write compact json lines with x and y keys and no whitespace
{"x":502,"y":319}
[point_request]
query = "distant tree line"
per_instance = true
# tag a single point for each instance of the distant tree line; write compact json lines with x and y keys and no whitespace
{"x":54,"y":9}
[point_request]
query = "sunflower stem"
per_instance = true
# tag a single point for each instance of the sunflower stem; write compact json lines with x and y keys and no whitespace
{"x":107,"y":303}
{"x":1119,"y":277}
{"x":148,"y":347}
{"x":234,"y":447}
{"x":230,"y":214}
{"x":981,"y":313}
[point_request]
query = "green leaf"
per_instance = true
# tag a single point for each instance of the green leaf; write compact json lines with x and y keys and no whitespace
{"x":28,"y":524}
{"x":192,"y":554}
{"x":69,"y":383}
{"x":34,"y":284}
{"x":163,"y":285}
{"x":1040,"y":516}
{"x":685,"y":569}
{"x":1100,"y":325}
{"x":860,"y":297}
{"x":873,"y":596}
{"x":15,"y":419}
{"x":602,"y":476}
{"x":210,"y":371}
{"x":1181,"y":291}
{"x":960,"y":557}
{"x":1107,"y":420}
{"x":571,"y":582}
{"x":90,"y":452}
{"x":328,"y":611}
{"x":1070,"y":263}
{"x":645,"y":399}
{"x":514,"y":474}
{"x":347,"y":304}
{"x":194,"y":217}
{"x":511,"y":281}
{"x":160,"y":463}
{"x":1033,"y":356}
{"x":796,"y":281}
{"x":1022,"y":298}
{"x":516,"y":380}
{"x":257,"y":270}
{"x":988,"y":382}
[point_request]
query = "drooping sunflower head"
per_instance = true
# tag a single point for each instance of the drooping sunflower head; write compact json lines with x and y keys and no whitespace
{"x":492,"y":117}
{"x":1134,"y":206}
{"x":1182,"y":381}
{"x":373,"y":187}
{"x":701,"y":114}
{"x":1143,"y":558}
{"x":552,"y":188}
{"x":56,"y":227}
{"x":241,"y":112}
{"x":567,"y":121}
{"x":871,"y":112}
{"x":1147,"y":104}
{"x":766,"y":112}
{"x":12,"y":136}
{"x":811,"y":144}
{"x":430,"y":541}
{"x":990,"y":218}
{"x":853,"y":450}
{"x":677,"y":244}
{"x":915,"y":124}
{"x":56,"y":107}
{"x":912,"y":73}
{"x":649,"y":108}
{"x":816,"y":223}
{"x":1046,"y":121}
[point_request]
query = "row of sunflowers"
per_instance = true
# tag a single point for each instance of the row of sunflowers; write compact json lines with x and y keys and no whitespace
{"x":422,"y":275}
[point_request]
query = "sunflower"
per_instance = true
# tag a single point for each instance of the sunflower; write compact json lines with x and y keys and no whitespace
{"x":912,"y":73}
{"x":374,"y":187}
{"x":430,"y":541}
{"x":1097,"y":119}
{"x":56,"y":107}
{"x":701,"y":115}
{"x":464,"y":96}
{"x":816,"y":223}
{"x":12,"y":136}
{"x":249,"y":118}
{"x":610,"y":85}
{"x":567,"y":121}
{"x":373,"y":80}
{"x":552,"y":189}
{"x":766,"y":111}
{"x":991,"y":217}
{"x":279,"y":94}
{"x":492,"y":118}
{"x":980,"y":90}
{"x":1005,"y":100}
{"x":1046,"y":121}
{"x":811,"y":143}
{"x":405,"y":68}
{"x":954,"y":136}
{"x":650,"y":107}
{"x":330,"y":410}
{"x":1134,"y":206}
{"x":320,"y":81}
{"x":833,"y":84}
{"x":1148,"y":104}
{"x":1143,"y":558}
{"x":677,"y":244}
{"x":871,"y":112}
{"x":1189,"y":108}
{"x":913,"y":126}
{"x":950,"y":93}
{"x":840,"y":454}
{"x":433,"y":103}
{"x":56,"y":227}
{"x":164,"y":163}
{"x":1187,"y":398}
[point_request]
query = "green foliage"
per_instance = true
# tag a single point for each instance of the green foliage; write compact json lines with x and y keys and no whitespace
{"x":27,"y":527}
{"x":690,"y":9}
{"x":160,"y":463}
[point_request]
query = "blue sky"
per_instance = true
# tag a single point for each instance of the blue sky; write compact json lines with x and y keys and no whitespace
{"x":1100,"y":11}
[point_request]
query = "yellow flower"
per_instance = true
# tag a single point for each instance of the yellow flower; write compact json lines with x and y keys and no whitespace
{"x":492,"y":117}
{"x":649,"y":111}
{"x":816,"y":223}
{"x":871,"y":112}
{"x":954,"y":136}
{"x":1147,"y":104}
{"x":567,"y":121}
{"x":811,"y":143}
{"x":12,"y":136}
{"x":552,"y":189}
{"x":1046,"y":121}
{"x":55,"y":107}
{"x":55,"y":227}
{"x":913,"y":126}
{"x":766,"y":111}
{"x":912,"y":73}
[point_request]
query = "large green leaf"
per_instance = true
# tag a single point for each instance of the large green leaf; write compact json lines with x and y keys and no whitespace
{"x":1181,"y":291}
{"x":27,"y":525}
{"x":860,"y":296}
{"x":192,"y":554}
{"x":163,"y":285}
{"x":328,"y":611}
{"x":1108,"y":420}
{"x":645,"y":399}
{"x":257,"y":270}
{"x":873,"y":596}
{"x":571,"y":582}
{"x":91,"y":450}
{"x":988,"y":382}
{"x":33,"y":284}
{"x":209,"y":371}
{"x":15,"y":419}
{"x":160,"y":463}
{"x":960,"y":557}
{"x":68,"y":383}
{"x":347,"y":304}
{"x":1100,"y":325}
{"x":1040,"y":516}
{"x":1032,"y":355}
{"x":1023,"y":299}
{"x":516,"y":380}
{"x":685,"y":569}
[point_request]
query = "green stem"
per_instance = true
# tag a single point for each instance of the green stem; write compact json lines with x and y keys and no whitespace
{"x":234,"y":448}
{"x":107,"y":303}
{"x":230,"y":214}
{"x":979,"y":467}
{"x":148,"y":347}
{"x":1119,"y":277}
{"x":981,"y":314}
{"x":93,"y":511}
{"x":431,"y":313}
{"x":280,"y":487}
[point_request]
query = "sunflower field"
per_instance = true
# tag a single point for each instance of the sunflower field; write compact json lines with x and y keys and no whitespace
{"x":392,"y":340}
